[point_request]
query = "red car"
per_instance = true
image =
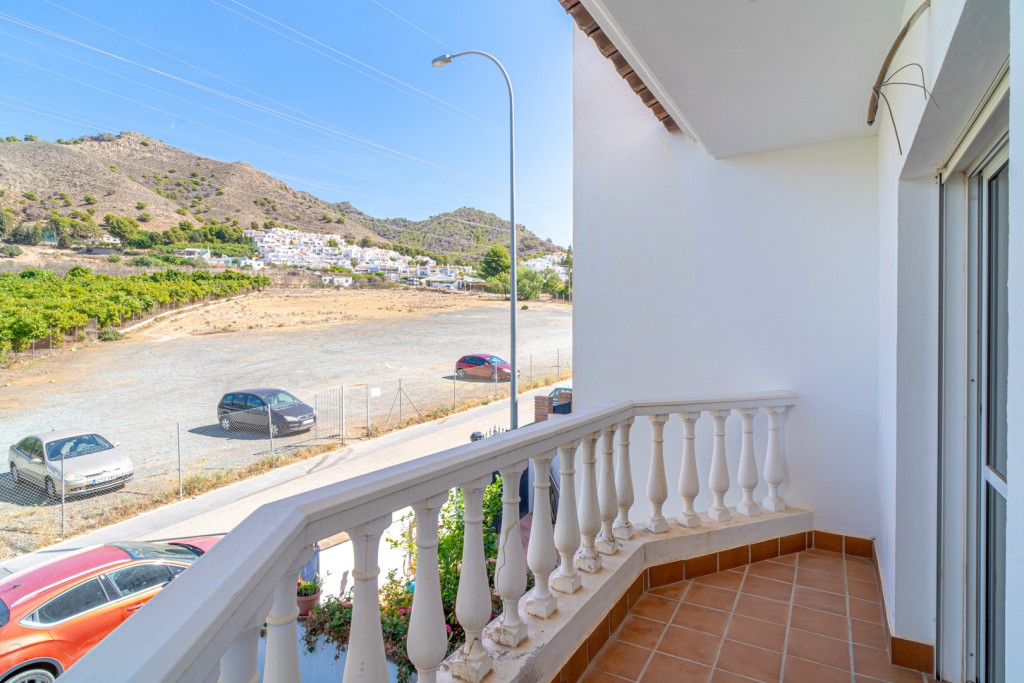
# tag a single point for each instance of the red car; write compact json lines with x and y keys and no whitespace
{"x":52,"y":614}
{"x":485,"y":366}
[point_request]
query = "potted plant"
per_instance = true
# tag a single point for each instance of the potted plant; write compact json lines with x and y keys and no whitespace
{"x":307,"y":593}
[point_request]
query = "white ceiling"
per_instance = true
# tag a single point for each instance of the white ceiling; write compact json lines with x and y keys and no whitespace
{"x":744,"y":76}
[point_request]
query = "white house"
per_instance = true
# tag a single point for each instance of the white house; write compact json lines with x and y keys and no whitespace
{"x":835,"y":312}
{"x":336,"y":280}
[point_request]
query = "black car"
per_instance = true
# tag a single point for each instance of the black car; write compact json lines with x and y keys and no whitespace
{"x":248,"y":411}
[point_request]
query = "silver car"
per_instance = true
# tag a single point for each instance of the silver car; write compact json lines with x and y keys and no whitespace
{"x":88,"y":462}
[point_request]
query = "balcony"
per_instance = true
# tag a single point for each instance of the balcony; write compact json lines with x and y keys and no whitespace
{"x":591,"y":566}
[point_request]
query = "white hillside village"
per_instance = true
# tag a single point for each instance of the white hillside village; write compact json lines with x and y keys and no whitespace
{"x":318,"y":251}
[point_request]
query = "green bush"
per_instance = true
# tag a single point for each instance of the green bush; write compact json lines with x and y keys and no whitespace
{"x":89,"y":199}
{"x":114,"y":258}
{"x":10,"y":250}
{"x":110,"y":334}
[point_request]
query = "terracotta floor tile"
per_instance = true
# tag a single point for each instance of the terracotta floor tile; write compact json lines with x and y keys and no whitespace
{"x":720,"y":676}
{"x":692,"y":645}
{"x":821,"y":552}
{"x":789,"y":559}
{"x":869,"y":634}
{"x":823,"y":581}
{"x":875,"y":663}
{"x":730,"y":580}
{"x":653,"y":607}
{"x":710,"y":596}
{"x":770,"y":569}
{"x":868,"y":610}
{"x":865,"y":590}
{"x":752,"y":662}
{"x":622,"y":659}
{"x":819,"y":648}
{"x":832,"y":565}
{"x":860,"y":571}
{"x":700,"y":618}
{"x":820,"y":600}
{"x":760,"y":608}
{"x":597,"y":676}
{"x":824,"y":623}
{"x":664,"y":669}
{"x":673,"y":591}
{"x":640,"y":631}
{"x":755,"y":632}
{"x":802,"y":671}
{"x":767,"y":588}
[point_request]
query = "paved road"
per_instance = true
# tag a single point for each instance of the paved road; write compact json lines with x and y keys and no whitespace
{"x":138,"y":392}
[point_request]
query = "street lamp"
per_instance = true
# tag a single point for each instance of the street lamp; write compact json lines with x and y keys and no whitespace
{"x":445,"y":60}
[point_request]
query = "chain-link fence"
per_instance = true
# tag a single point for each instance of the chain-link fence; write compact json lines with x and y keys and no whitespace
{"x":174,"y":459}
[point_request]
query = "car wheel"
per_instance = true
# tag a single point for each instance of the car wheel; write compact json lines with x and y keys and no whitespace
{"x":51,"y":489}
{"x":15,"y":475}
{"x":32,"y":676}
{"x":225,"y":422}
{"x":460,"y":373}
{"x":494,"y":376}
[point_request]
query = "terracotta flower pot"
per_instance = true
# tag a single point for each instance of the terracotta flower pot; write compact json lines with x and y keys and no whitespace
{"x":307,"y":602}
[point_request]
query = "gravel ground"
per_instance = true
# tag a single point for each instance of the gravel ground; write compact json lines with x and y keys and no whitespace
{"x":141,"y":392}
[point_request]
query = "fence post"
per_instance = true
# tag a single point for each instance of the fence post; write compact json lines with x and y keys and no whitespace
{"x":455,"y":400}
{"x":399,"y":404}
{"x":342,"y":411}
{"x":531,"y":370}
{"x":367,"y":410}
{"x":558,"y":364}
{"x":181,"y":489}
{"x":270,"y":429}
{"x":63,"y":529}
{"x":316,"y":413}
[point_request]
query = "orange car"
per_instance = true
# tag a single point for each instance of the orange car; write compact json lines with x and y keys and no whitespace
{"x":52,"y":614}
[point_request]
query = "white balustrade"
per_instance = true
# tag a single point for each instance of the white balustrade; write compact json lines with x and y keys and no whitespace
{"x":427,"y":639}
{"x":773,"y":470}
{"x":540,"y":555}
{"x":588,"y":559}
{"x":238,"y":665}
{"x":565,"y":579}
{"x":718,"y":478}
{"x":623,"y":528}
{"x":510,"y":569}
{"x":282,"y":662}
{"x":473,"y":601}
{"x":747,"y":474}
{"x":689,"y":484}
{"x":365,"y":659}
{"x":657,"y":487}
{"x":606,"y":542}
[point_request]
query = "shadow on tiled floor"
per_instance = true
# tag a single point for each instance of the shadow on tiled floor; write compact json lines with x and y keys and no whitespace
{"x":813,"y":616}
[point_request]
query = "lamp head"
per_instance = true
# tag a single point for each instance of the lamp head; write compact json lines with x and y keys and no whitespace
{"x":443,"y":60}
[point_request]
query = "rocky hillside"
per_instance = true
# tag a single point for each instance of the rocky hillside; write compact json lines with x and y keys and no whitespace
{"x":159,"y":185}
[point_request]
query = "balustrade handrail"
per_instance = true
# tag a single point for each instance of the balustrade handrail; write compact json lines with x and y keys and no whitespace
{"x":230,"y":591}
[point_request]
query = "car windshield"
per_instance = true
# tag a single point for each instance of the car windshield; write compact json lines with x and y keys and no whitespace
{"x":281,"y":399}
{"x":159,"y":551}
{"x":494,"y":360}
{"x":74,"y":446}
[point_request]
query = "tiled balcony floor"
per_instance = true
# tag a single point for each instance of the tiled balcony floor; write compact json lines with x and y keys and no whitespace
{"x":812,"y":616}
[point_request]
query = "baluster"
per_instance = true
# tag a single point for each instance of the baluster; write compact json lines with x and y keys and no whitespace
{"x":473,"y":602}
{"x":657,"y":488}
{"x":238,"y":664}
{"x":689,"y":484}
{"x":540,"y":554}
{"x":606,"y":542}
{"x":427,"y":641}
{"x":282,"y":628}
{"x":510,"y":570}
{"x":718,"y":479}
{"x":565,"y":579}
{"x":773,"y":471}
{"x":588,"y":559}
{"x":747,"y":475}
{"x":365,"y":660}
{"x":623,"y":528}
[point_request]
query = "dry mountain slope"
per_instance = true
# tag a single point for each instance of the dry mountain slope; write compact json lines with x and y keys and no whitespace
{"x":129,"y":170}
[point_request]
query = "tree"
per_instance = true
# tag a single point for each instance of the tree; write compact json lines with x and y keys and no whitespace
{"x":89,"y":199}
{"x":495,"y":261}
{"x":122,"y":227}
{"x":332,"y":243}
{"x":10,"y":250}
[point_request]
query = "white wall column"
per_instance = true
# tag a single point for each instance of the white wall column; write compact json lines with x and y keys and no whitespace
{"x":657,"y":487}
{"x":606,"y":542}
{"x":540,"y":554}
{"x":427,"y":638}
{"x":689,"y":484}
{"x":510,"y":571}
{"x":565,"y":579}
{"x":365,"y":660}
{"x":773,"y":471}
{"x":588,"y":559}
{"x":238,"y":665}
{"x":718,"y":479}
{"x":747,"y":474}
{"x":623,"y":528}
{"x":473,"y":602}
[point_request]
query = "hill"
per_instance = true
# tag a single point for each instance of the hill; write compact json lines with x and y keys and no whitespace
{"x":133,"y":175}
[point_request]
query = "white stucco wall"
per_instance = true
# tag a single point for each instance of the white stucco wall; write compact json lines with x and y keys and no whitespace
{"x":753,"y":273}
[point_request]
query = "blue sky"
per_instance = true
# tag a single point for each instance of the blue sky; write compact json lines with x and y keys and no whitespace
{"x":337,"y":98}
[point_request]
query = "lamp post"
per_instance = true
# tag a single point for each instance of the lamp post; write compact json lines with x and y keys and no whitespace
{"x":445,"y":60}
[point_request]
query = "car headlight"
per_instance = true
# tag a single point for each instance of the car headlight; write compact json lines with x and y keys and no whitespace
{"x":72,"y":476}
{"x":288,"y":418}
